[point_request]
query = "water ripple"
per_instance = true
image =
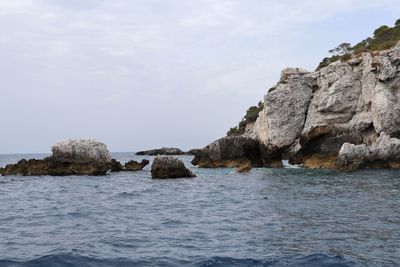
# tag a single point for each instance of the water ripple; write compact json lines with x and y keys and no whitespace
{"x":268,"y":217}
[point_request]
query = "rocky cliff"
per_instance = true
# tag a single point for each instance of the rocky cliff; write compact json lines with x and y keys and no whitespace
{"x":344,"y":115}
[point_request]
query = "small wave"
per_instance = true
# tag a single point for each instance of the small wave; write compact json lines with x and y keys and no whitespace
{"x":129,"y":194}
{"x":70,"y":260}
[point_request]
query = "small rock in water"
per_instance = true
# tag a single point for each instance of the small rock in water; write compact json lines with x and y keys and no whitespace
{"x":116,"y":166}
{"x":136,"y":166}
{"x":169,"y":167}
{"x":245,"y":167}
{"x":168,"y":151}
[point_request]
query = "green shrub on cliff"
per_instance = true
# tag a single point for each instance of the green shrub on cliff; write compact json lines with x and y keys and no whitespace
{"x":251,"y":116}
{"x":385,"y":37}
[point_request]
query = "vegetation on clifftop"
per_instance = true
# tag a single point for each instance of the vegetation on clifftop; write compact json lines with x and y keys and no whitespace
{"x":251,"y":116}
{"x":385,"y":37}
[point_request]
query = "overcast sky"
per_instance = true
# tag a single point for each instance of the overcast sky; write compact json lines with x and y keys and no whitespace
{"x":141,"y":74}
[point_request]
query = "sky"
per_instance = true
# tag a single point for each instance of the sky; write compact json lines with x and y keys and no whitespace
{"x":142,"y":74}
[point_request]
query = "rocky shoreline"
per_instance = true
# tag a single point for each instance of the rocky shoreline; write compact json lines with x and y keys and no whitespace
{"x":343,"y":116}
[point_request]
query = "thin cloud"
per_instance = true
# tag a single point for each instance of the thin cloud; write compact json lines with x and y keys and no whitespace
{"x":133,"y":62}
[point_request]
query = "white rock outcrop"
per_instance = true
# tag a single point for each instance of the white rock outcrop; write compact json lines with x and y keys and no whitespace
{"x":384,"y":150}
{"x":354,"y":102}
{"x":81,"y":150}
{"x":281,"y":121}
{"x":347,"y":113}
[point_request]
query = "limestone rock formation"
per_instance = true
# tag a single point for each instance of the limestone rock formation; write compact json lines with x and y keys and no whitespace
{"x":169,"y":167}
{"x":73,"y":157}
{"x":281,"y":121}
{"x":234,"y":151}
{"x":384,"y":152}
{"x":345,"y":114}
{"x":353,"y":102}
{"x":83,"y":150}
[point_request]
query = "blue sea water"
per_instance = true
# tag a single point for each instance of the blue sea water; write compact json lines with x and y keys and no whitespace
{"x":268,"y":217}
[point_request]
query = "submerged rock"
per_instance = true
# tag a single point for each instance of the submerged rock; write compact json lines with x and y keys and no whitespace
{"x":234,"y":151}
{"x":244,"y":167}
{"x":136,"y":166}
{"x":169,"y":151}
{"x":169,"y":167}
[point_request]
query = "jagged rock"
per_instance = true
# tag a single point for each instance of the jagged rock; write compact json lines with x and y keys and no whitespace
{"x":169,"y":151}
{"x":136,"y":166}
{"x":235,"y":150}
{"x":384,"y":152}
{"x":386,"y":70}
{"x":309,"y":116}
{"x":116,"y":166}
{"x":281,"y":121}
{"x":73,"y":157}
{"x":169,"y":167}
{"x":354,"y":104}
{"x":83,"y":150}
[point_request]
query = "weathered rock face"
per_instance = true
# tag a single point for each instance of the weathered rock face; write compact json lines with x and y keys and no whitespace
{"x":384,"y":152}
{"x":355,"y":102}
{"x":84,"y":150}
{"x":281,"y":122}
{"x":169,"y":167}
{"x":234,"y":151}
{"x":169,"y":151}
{"x":309,"y":116}
{"x":73,"y":157}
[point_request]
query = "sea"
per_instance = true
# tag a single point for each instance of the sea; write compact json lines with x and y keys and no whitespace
{"x":267,"y":217}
